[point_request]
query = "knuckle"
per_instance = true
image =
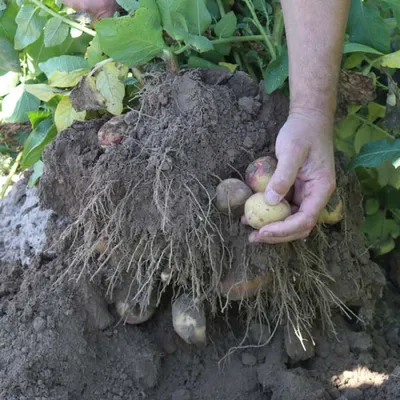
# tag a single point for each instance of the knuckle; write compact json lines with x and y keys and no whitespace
{"x":282,"y":184}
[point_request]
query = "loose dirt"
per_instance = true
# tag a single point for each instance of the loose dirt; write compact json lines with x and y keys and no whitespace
{"x":61,"y":337}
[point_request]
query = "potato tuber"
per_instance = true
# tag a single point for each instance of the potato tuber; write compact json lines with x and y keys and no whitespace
{"x":333,"y":212}
{"x":232,"y":194}
{"x":189,"y":320}
{"x":259,"y":173}
{"x":259,"y":213}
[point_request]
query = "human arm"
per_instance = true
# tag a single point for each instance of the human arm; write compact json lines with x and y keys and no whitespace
{"x":304,"y":147}
{"x":98,"y":8}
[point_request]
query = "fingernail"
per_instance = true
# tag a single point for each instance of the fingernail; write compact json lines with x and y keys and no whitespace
{"x":265,"y":233}
{"x":272,"y":197}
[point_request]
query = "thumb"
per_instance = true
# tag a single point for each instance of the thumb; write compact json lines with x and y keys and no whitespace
{"x":284,"y":176}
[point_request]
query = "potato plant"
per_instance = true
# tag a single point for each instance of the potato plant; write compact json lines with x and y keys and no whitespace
{"x":58,"y":66}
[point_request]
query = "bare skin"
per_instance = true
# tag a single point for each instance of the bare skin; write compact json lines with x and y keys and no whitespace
{"x":304,"y":147}
{"x":98,"y":8}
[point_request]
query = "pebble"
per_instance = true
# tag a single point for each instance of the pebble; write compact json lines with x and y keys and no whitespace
{"x":39,"y":324}
{"x":181,"y":394}
{"x":249,"y":359}
{"x":360,"y":341}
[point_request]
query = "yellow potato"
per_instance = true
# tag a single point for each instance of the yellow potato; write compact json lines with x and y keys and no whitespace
{"x":259,"y":213}
{"x":333,"y":212}
{"x":259,"y":173}
{"x":232,"y":194}
{"x":189,"y":320}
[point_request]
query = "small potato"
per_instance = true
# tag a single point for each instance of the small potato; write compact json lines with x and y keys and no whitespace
{"x":232,"y":194}
{"x":333,"y":212}
{"x":189,"y":320}
{"x":259,"y":173}
{"x":259,"y":213}
{"x":240,"y":288}
{"x":112,"y":132}
{"x":130,"y":310}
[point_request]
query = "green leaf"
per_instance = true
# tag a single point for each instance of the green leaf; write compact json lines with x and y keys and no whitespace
{"x":65,"y":114}
{"x":366,"y":26}
{"x":29,"y":26}
{"x":94,"y":54}
{"x":196,"y":15}
{"x":44,"y":133}
{"x":63,"y":64}
{"x":376,"y":153}
{"x":55,"y":32}
{"x":276,"y":73}
{"x":63,"y":79}
{"x":42,"y":91}
{"x":395,"y":6}
{"x":375,"y":111}
{"x":371,"y":206}
{"x":368,"y":134}
{"x":3,"y":7}
{"x":112,"y":90}
{"x":38,"y":169}
{"x":17,"y":104}
{"x":353,"y":60}
{"x":8,"y":81}
{"x":8,"y":26}
{"x":199,"y":43}
{"x":9,"y":59}
{"x":359,"y":48}
{"x":129,"y":5}
{"x":226,"y":26}
{"x":197,"y":62}
{"x":131,"y":41}
{"x":391,"y":60}
{"x":35,"y":117}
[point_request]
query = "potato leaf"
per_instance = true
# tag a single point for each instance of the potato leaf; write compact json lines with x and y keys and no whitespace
{"x":276,"y":73}
{"x":391,"y":60}
{"x":38,"y":169}
{"x":65,"y":114}
{"x":195,"y":13}
{"x":131,"y":41}
{"x":55,"y":32}
{"x":359,"y":48}
{"x":376,"y":153}
{"x":9,"y":59}
{"x":63,"y":64}
{"x":17,"y":104}
{"x":129,"y":5}
{"x":366,"y":26}
{"x":64,"y":79}
{"x":226,"y":26}
{"x":29,"y":26}
{"x":112,"y":90}
{"x":43,"y":134}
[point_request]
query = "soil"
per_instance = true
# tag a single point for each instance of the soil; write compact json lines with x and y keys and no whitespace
{"x":60,"y":338}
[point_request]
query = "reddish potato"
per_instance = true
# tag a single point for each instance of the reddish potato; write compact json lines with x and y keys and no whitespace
{"x":259,"y":213}
{"x":112,"y":132}
{"x":259,"y":173}
{"x":232,"y":194}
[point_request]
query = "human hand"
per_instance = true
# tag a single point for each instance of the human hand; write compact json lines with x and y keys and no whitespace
{"x":304,"y":149}
{"x":98,"y":8}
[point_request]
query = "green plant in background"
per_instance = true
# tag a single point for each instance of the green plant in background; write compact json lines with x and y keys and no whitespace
{"x":56,"y":68}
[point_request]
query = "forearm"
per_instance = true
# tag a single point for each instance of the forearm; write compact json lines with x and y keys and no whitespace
{"x":315,"y":32}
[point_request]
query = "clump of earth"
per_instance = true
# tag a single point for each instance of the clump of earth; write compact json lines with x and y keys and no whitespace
{"x":144,"y":206}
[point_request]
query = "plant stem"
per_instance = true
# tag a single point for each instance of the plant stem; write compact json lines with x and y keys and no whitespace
{"x":67,"y":21}
{"x":99,"y":65}
{"x":10,"y":176}
{"x":257,"y":23}
{"x":170,"y":60}
{"x":221,"y":8}
{"x":278,"y":25}
{"x":366,"y":122}
{"x":233,"y":39}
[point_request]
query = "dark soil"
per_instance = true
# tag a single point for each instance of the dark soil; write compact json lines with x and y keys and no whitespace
{"x":61,"y":338}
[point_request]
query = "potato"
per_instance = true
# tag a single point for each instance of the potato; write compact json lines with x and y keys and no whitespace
{"x":333,"y":212}
{"x":189,"y":320}
{"x":259,"y":213}
{"x":237,"y":289}
{"x":259,"y":173}
{"x":232,"y":194}
{"x":128,"y":309}
{"x":131,"y":314}
{"x":112,"y":132}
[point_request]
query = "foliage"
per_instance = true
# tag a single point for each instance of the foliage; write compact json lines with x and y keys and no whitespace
{"x":56,"y":67}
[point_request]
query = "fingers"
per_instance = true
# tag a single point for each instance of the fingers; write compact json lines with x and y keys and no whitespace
{"x":285,"y":175}
{"x":299,"y":225}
